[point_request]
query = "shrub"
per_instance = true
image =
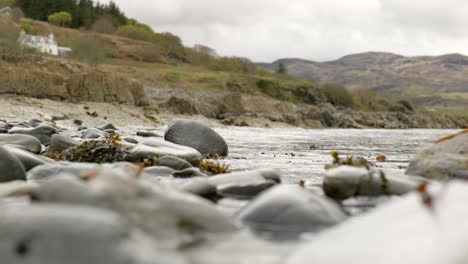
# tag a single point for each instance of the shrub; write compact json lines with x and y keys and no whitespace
{"x":61,"y":19}
{"x":370,"y":100}
{"x":337,"y":95}
{"x":171,"y":46}
{"x":28,"y":28}
{"x":406,"y":104}
{"x":135,"y":32}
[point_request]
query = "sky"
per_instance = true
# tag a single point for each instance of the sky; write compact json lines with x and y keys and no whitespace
{"x":320,"y":30}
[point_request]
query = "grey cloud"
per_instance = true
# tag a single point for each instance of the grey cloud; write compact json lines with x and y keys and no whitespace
{"x":265,"y":30}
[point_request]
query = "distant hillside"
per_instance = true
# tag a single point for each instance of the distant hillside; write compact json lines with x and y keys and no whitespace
{"x":438,"y":81}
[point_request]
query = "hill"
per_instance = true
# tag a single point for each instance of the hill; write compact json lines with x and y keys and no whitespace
{"x":438,"y":82}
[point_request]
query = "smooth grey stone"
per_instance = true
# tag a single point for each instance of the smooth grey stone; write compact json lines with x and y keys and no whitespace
{"x":196,"y":135}
{"x":11,"y":168}
{"x":159,"y":147}
{"x":41,"y":132}
{"x":347,"y":181}
{"x":442,"y":161}
{"x":48,"y":171}
{"x":244,"y":190}
{"x":56,"y":234}
{"x":147,"y":134}
{"x":201,"y":187}
{"x":25,"y":142}
{"x":245,"y":184}
{"x":92,"y":133}
{"x":28,"y":159}
{"x":106,"y":126}
{"x":130,"y":140}
{"x":171,"y":217}
{"x":60,"y":143}
{"x":174,"y":163}
{"x":34,"y":122}
{"x":286,"y":211}
{"x":159,"y":171}
{"x":189,"y":173}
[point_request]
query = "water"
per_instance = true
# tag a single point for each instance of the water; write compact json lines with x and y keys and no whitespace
{"x":300,"y":154}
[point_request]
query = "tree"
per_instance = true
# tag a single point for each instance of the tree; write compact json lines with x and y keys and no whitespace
{"x":135,"y":32}
{"x":61,"y":18}
{"x":281,"y":69}
{"x":338,"y":95}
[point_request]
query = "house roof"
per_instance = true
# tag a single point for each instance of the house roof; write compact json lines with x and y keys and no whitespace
{"x":38,"y":39}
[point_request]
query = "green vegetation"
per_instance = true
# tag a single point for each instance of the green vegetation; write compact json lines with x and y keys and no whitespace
{"x":338,"y":95}
{"x":28,"y":28}
{"x":281,"y":69}
{"x":60,"y":19}
{"x":84,"y":12}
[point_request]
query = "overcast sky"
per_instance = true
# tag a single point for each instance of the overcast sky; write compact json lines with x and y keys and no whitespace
{"x":265,"y":30}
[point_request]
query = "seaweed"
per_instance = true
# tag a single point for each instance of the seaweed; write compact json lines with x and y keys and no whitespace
{"x":214,"y":168}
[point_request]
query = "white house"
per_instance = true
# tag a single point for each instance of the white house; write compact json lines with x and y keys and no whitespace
{"x":43,"y":44}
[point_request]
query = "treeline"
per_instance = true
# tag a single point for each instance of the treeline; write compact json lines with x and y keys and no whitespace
{"x":84,"y":13}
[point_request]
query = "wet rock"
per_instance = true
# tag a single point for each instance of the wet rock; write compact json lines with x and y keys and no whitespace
{"x":196,"y":135}
{"x":159,"y":171}
{"x":48,"y":171}
{"x":25,"y":142}
{"x":34,"y":122}
{"x":16,"y":188}
{"x":171,"y":217}
{"x":147,"y":134}
{"x":11,"y":168}
{"x":189,"y":173}
{"x":57,"y":234}
{"x":446,"y":159}
{"x":346,"y":181}
{"x":59,"y":143}
{"x":174,"y":163}
{"x":130,"y":140}
{"x":106,"y":126}
{"x":160,"y":147}
{"x":28,"y":160}
{"x":245,"y":184}
{"x":289,"y":210}
{"x":92,"y":133}
{"x":404,"y":230}
{"x":201,"y":187}
{"x":42,"y":132}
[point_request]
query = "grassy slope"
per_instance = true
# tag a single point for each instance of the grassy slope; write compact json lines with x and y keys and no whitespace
{"x":121,"y":58}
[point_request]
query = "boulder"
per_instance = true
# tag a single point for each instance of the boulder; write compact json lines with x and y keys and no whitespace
{"x":189,"y":173}
{"x":28,"y":160}
{"x":60,"y":142}
{"x":347,"y":181}
{"x":444,"y":160}
{"x":92,"y":133}
{"x":42,"y":132}
{"x":171,"y":217}
{"x":106,"y":126}
{"x":159,"y":171}
{"x":53,"y":170}
{"x":160,"y":147}
{"x":287,"y":211}
{"x":245,"y":184}
{"x":196,"y":135}
{"x":405,"y":230}
{"x":11,"y":168}
{"x":174,"y":163}
{"x":56,"y":234}
{"x":25,"y":142}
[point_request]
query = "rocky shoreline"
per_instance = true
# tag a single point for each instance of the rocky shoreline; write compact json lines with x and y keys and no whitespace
{"x":101,"y":195}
